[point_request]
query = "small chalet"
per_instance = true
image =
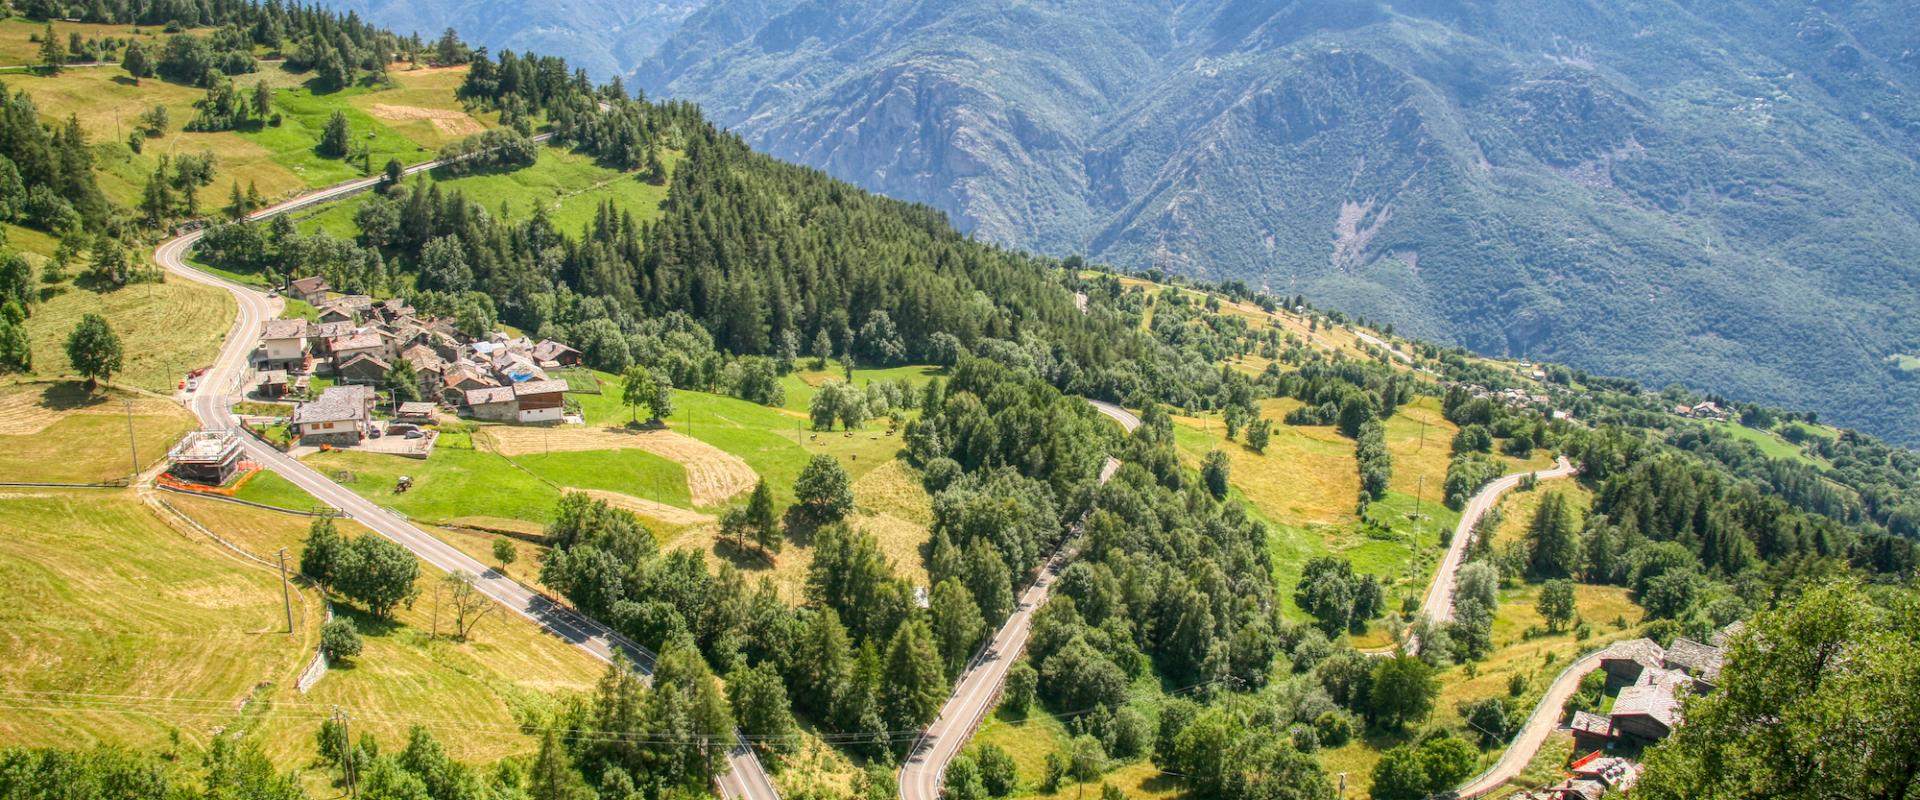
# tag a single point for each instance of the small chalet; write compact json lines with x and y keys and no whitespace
{"x":428,"y":366}
{"x":1591,"y":732}
{"x":337,"y":417}
{"x":550,"y":352}
{"x":1699,"y":661}
{"x":393,"y":309}
{"x":494,"y":403}
{"x":418,"y":413}
{"x":363,"y":368}
{"x":283,"y":344}
{"x":273,"y":383}
{"x":310,"y":290}
{"x":360,"y":305}
{"x":1625,"y":661}
{"x":462,"y":377}
{"x":346,"y":347}
{"x":209,"y":458}
{"x":540,"y":401}
{"x":335,"y":312}
{"x":1647,"y":711}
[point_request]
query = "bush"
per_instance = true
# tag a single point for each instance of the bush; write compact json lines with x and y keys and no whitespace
{"x":997,"y":771}
{"x":339,"y":639}
{"x":1022,"y":683}
{"x":940,"y":474}
{"x":1333,"y":728}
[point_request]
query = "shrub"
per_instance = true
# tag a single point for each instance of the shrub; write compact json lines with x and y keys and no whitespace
{"x":339,"y":639}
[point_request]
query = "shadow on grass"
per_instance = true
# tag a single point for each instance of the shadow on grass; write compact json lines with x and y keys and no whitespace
{"x":746,"y":558}
{"x":70,"y":395}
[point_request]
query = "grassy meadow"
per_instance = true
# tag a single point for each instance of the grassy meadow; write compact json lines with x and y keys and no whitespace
{"x":120,"y":628}
{"x":56,"y":433}
{"x":569,"y":186}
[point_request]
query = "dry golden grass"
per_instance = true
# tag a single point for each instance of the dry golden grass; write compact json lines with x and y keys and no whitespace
{"x":52,"y":432}
{"x":421,"y":106}
{"x":713,"y":475}
{"x":894,"y":488}
{"x":889,"y":505}
{"x":1419,"y":439}
{"x":1307,"y":476}
{"x":471,"y":694}
{"x":649,"y":510}
{"x":165,"y":330}
{"x":446,"y":121}
{"x":1517,"y":508}
{"x":118,"y":627}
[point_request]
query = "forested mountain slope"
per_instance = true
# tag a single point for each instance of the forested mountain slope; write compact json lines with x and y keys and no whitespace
{"x":604,"y":38}
{"x":1715,"y":193}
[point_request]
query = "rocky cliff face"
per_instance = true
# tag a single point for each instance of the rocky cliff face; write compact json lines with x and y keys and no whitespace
{"x":1711,"y":192}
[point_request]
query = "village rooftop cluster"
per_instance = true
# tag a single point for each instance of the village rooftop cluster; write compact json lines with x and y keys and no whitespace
{"x":357,"y":342}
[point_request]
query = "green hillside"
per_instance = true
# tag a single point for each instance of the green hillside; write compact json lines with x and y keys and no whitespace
{"x":879,"y":433}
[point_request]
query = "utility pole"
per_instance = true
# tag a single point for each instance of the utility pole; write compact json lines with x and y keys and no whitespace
{"x":133,"y":447}
{"x":286,"y":594}
{"x":347,"y":752}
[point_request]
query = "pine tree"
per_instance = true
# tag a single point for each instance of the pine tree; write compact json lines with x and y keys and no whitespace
{"x":237,"y":204}
{"x":156,"y":203}
{"x":1553,"y":544}
{"x":761,"y":519}
{"x":956,"y":621}
{"x":53,"y":57}
{"x":336,"y":138}
{"x":912,"y":684}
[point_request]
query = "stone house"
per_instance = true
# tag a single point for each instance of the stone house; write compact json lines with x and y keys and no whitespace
{"x":337,"y":417}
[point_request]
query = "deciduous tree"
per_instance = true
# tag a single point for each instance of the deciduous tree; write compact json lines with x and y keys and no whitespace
{"x":94,"y":350}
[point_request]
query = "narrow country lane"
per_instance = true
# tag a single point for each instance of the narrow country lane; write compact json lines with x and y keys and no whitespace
{"x":1437,"y":605}
{"x":212,"y":405}
{"x":974,"y":694}
{"x":1540,"y":724}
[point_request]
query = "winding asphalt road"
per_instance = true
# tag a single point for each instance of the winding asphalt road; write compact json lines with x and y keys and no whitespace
{"x":1437,"y":605}
{"x":979,"y":685}
{"x":1540,"y":724}
{"x":212,"y":404}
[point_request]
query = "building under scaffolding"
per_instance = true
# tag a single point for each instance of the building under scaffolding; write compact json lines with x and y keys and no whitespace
{"x":206,"y":457}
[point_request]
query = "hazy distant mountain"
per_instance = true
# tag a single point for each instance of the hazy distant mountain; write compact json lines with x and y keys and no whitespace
{"x":1715,"y":192}
{"x":606,"y":37}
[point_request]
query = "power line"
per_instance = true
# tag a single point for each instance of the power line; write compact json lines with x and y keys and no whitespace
{"x":195,"y":708}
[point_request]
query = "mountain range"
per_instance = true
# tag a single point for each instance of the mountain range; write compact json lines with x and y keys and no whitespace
{"x":1717,"y":193}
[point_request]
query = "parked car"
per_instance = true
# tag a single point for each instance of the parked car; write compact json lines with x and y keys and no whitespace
{"x":416,"y":434}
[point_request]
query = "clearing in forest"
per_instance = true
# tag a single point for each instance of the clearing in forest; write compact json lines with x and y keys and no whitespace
{"x":713,"y":475}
